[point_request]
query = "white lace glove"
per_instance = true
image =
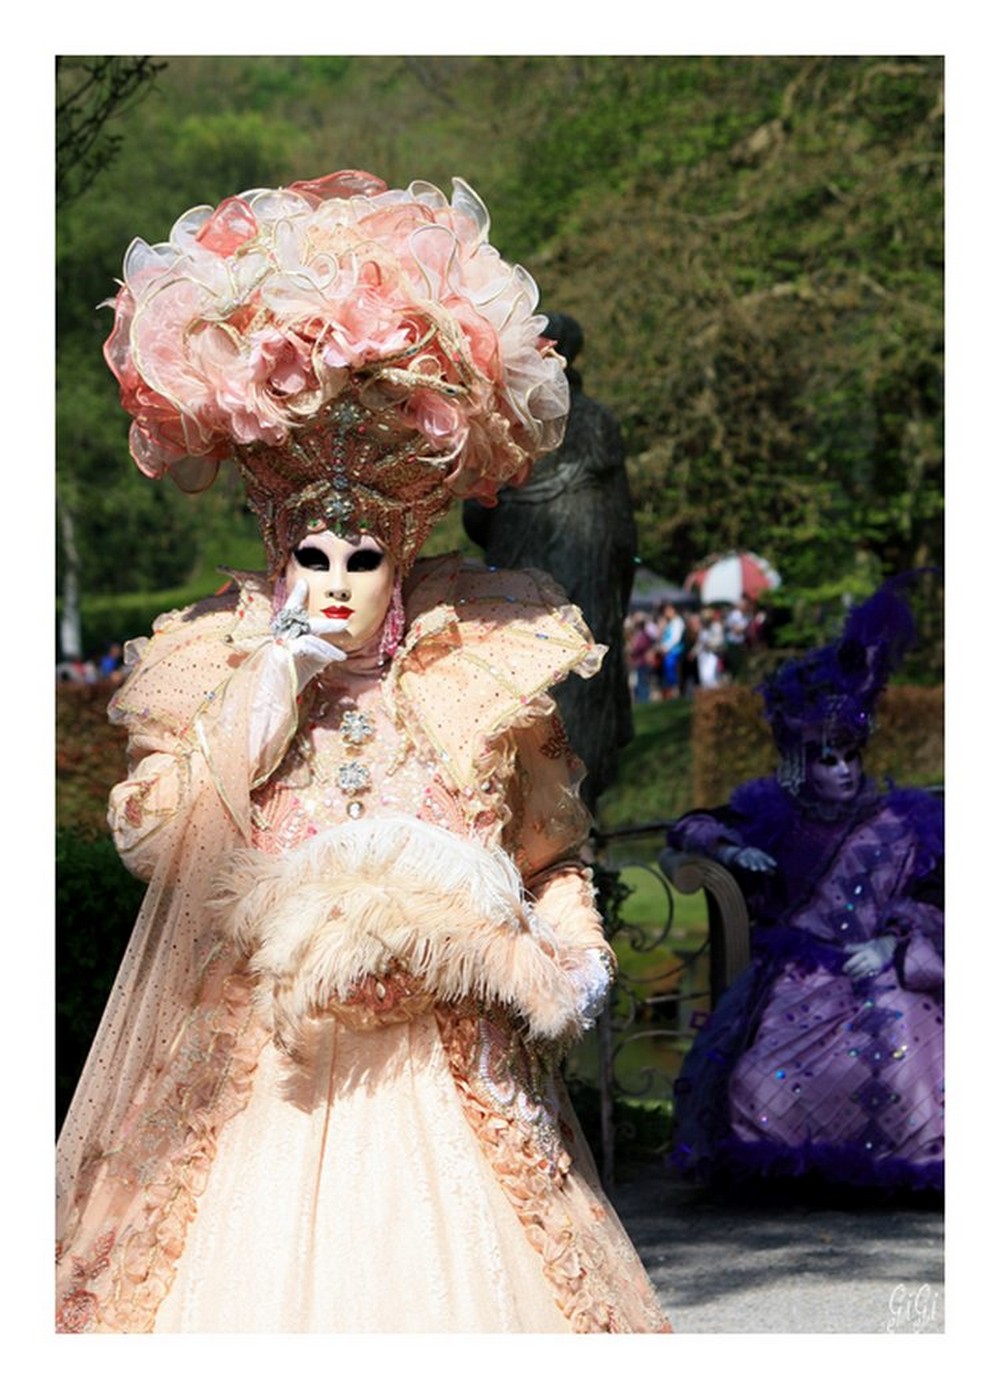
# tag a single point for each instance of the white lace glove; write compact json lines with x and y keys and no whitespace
{"x":746,"y":856}
{"x":869,"y":957}
{"x":591,"y":982}
{"x":284,"y":668}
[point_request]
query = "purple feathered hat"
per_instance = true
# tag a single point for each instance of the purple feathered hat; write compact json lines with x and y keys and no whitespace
{"x":827,"y":698}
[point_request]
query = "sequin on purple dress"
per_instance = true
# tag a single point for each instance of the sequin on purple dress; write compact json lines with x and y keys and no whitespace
{"x":801,"y":1069}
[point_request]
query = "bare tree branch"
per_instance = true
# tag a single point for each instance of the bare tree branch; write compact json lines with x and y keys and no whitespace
{"x":89,"y":93}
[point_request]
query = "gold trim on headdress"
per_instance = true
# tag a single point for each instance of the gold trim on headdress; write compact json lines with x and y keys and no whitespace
{"x":352,"y":471}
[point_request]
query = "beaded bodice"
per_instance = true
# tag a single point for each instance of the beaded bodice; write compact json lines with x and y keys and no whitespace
{"x":348,"y":760}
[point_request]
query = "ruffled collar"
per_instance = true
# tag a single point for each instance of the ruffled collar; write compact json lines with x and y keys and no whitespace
{"x":482,"y":649}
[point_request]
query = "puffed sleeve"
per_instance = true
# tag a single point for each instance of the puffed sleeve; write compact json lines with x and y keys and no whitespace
{"x":915,"y":915}
{"x":920,"y":964}
{"x":919,"y":921}
{"x":147,"y":803}
{"x":545,"y":836}
{"x":197,"y":727}
{"x":703,"y":832}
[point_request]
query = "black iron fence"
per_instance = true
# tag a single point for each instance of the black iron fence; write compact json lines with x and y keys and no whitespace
{"x":678,"y":925}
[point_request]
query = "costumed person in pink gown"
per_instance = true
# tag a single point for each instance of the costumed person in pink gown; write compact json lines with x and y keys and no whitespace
{"x":325,"y":1092}
{"x":826,"y":1056}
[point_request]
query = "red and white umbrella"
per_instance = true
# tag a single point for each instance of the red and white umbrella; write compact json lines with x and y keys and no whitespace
{"x":728,"y":578}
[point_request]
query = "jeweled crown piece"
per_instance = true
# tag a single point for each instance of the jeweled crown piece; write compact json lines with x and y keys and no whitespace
{"x":352,"y":471}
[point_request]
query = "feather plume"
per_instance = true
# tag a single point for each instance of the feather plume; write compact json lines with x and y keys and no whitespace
{"x":362,"y":898}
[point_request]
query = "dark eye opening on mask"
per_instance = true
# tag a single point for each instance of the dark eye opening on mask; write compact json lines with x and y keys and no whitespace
{"x":364,"y":561}
{"x":831,"y":756}
{"x":312,"y":557}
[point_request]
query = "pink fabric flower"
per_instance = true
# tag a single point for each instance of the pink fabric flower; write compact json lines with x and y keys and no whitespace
{"x":368,"y":327}
{"x":280,"y":362}
{"x":256,"y":313}
{"x":438,"y":418}
{"x":345,"y":183}
{"x":482,"y":339}
{"x":230,"y":226}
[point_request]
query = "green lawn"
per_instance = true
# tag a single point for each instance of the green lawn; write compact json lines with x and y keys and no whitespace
{"x":654,"y":775}
{"x":656,"y":944}
{"x":653,"y":786}
{"x":645,"y":904}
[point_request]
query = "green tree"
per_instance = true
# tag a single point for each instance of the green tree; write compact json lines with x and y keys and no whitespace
{"x":752,"y":245}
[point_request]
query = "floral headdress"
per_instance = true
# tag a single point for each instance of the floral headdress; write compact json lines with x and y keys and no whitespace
{"x":362,"y":353}
{"x":827,"y":698}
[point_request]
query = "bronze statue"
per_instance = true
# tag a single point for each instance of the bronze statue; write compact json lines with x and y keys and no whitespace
{"x":574,"y":519}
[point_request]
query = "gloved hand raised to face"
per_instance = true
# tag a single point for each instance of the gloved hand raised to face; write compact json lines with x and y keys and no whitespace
{"x":281,"y":670}
{"x":304,"y":636}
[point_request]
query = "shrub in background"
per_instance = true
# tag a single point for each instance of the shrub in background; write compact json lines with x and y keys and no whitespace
{"x":97,"y":900}
{"x":731,"y":742}
{"x":90,"y":757}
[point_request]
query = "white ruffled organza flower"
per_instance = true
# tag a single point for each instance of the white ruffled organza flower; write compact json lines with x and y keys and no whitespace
{"x":258,"y":313}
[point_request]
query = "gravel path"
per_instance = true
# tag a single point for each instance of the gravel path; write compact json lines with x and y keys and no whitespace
{"x":854,"y":1264}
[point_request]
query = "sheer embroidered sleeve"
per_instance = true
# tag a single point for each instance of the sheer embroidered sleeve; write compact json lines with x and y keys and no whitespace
{"x":546,"y":836}
{"x":188,"y":703}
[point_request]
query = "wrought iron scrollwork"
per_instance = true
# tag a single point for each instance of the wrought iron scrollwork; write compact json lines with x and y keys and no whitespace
{"x":663,"y":982}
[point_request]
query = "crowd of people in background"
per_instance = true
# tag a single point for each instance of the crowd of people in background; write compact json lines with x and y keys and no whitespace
{"x":670,"y":654}
{"x":91,"y":670}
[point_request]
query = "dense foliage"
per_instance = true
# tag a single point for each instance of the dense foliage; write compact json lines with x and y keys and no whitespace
{"x":90,"y":758}
{"x":753,"y":247}
{"x":89,"y":93}
{"x":96,"y":906}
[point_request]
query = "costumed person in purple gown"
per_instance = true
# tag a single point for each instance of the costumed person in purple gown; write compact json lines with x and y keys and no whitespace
{"x":826,"y":1056}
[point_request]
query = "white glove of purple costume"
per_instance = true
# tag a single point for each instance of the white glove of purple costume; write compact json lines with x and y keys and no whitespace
{"x":869,"y":957}
{"x":747,"y":856}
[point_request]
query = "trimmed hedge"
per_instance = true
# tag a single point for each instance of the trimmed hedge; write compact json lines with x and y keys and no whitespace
{"x":731,"y":742}
{"x":90,"y":757}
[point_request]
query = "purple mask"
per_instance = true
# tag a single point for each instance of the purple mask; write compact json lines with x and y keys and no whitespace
{"x":835,"y":774}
